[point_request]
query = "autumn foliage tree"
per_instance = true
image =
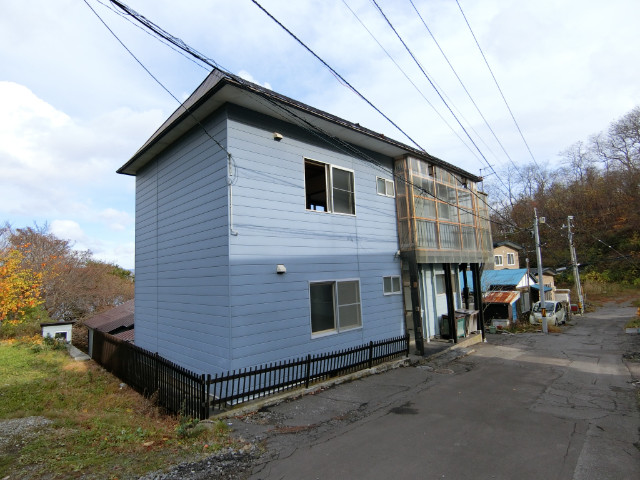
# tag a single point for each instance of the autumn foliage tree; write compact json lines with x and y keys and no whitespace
{"x":598,"y":183}
{"x":68,"y":284}
{"x":19,"y":287}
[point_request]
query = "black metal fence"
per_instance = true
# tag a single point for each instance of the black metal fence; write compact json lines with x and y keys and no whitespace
{"x":173,"y":387}
{"x":180,"y":390}
{"x":255,"y":382}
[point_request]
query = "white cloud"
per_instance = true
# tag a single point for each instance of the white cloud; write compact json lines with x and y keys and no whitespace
{"x":116,"y":219}
{"x":69,"y":230}
{"x":247,"y":76}
{"x":55,"y":165}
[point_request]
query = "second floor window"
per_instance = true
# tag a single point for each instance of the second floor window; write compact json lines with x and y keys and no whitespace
{"x":498,"y":260}
{"x":385,"y":187}
{"x":511,"y":259}
{"x":329,"y":188}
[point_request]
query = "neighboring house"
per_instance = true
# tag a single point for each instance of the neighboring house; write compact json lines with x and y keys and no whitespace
{"x":513,"y":280}
{"x":549,"y":282}
{"x":506,"y":255}
{"x":506,"y":280}
{"x":502,"y":308}
{"x":118,"y":321}
{"x":509,"y":293}
{"x":58,"y":330}
{"x":267,"y":229}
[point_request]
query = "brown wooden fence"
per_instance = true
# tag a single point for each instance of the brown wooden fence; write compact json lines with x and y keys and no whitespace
{"x":182,"y":391}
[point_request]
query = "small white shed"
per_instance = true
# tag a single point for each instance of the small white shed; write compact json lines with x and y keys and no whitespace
{"x":57,"y":330}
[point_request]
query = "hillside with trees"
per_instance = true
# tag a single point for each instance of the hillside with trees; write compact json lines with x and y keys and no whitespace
{"x":597,"y":181}
{"x":42,"y":278}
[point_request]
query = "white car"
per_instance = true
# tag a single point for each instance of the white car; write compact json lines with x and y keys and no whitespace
{"x":556,"y":313}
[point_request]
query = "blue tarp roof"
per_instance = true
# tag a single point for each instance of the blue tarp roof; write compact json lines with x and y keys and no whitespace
{"x":546,"y":289}
{"x":497,"y":277}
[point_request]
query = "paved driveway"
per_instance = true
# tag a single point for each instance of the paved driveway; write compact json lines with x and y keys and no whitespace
{"x":534,"y":406}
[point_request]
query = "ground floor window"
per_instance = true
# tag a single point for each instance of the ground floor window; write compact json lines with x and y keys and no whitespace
{"x":335,"y":306}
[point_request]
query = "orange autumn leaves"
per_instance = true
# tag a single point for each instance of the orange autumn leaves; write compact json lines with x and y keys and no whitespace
{"x":20,"y":287}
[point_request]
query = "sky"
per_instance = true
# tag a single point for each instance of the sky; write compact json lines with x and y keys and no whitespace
{"x":75,"y":105}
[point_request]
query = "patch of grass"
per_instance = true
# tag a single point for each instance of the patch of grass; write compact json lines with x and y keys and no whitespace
{"x":526,"y":327}
{"x":599,"y":293}
{"x":99,"y":429}
{"x":633,"y":323}
{"x":523,"y":327}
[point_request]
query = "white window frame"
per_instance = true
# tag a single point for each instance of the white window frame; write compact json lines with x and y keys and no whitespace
{"x":389,"y":187}
{"x":336,"y":310}
{"x":329,"y":187}
{"x":392,"y":290}
{"x":511,"y":258}
{"x":497,"y":259}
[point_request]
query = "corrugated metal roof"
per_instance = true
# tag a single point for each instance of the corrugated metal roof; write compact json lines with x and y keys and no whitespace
{"x":501,"y":297}
{"x":537,"y":287}
{"x":506,"y":277}
{"x":120,"y":316}
{"x":126,"y":336}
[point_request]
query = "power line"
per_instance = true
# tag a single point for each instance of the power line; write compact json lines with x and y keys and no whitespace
{"x":410,"y":81}
{"x":462,"y":84}
{"x":434,"y":87}
{"x":155,"y":37}
{"x":628,"y":258}
{"x":497,"y":85}
{"x":351,"y":87}
{"x":149,"y":72}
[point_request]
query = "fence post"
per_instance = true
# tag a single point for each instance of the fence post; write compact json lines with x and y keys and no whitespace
{"x":203,"y":403}
{"x":306,"y":381}
{"x":370,"y":354}
{"x":155,"y":375}
{"x":406,"y":339}
{"x":208,"y":393}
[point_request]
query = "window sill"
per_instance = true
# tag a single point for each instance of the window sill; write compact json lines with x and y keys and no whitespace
{"x":328,"y":333}
{"x":331,"y":213}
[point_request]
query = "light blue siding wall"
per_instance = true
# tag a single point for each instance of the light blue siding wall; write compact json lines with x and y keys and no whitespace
{"x":182,"y":247}
{"x":271,"y":313}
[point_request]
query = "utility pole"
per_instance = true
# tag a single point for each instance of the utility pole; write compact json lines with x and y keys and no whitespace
{"x":543,"y":309}
{"x":529,"y":282}
{"x":574,"y":262}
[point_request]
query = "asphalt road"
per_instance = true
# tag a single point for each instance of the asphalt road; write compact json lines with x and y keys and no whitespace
{"x":532,"y":406}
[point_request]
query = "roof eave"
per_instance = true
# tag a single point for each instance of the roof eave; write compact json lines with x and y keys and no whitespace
{"x":204,"y":101}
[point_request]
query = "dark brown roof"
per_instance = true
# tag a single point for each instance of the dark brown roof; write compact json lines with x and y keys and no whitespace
{"x":117,"y":317}
{"x":53,"y":324}
{"x":507,"y":243}
{"x":220,"y":88}
{"x":126,"y":336}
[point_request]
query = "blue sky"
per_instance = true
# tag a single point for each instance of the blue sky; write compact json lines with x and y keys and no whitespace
{"x":74,"y":106}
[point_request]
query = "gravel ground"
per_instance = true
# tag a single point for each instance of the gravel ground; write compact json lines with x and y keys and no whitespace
{"x":227,"y":464}
{"x":15,"y":432}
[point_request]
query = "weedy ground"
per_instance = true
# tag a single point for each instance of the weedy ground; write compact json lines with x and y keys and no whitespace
{"x":97,"y":427}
